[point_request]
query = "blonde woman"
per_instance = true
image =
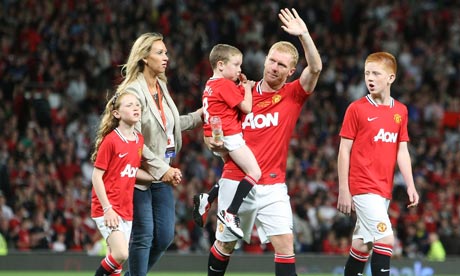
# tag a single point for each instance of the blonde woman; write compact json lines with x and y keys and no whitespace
{"x":161,"y":126}
{"x":117,"y":158}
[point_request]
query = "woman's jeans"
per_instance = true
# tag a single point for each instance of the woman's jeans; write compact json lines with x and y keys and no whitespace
{"x":153,"y":227}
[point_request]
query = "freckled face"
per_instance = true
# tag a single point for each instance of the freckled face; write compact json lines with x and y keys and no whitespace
{"x":378,"y":80}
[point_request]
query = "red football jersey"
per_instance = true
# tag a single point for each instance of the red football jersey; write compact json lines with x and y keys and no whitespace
{"x":120,"y":159}
{"x":268,"y":130}
{"x":221,"y":98}
{"x":376,"y":131}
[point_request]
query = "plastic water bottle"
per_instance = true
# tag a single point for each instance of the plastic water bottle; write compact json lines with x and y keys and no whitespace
{"x":216,"y":126}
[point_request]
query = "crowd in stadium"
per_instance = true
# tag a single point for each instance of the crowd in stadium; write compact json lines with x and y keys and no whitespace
{"x":60,"y":61}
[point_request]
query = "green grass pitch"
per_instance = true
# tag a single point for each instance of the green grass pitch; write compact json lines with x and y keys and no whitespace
{"x":86,"y":273}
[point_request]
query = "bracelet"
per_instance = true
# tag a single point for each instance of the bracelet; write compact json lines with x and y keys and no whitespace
{"x":106,"y":209}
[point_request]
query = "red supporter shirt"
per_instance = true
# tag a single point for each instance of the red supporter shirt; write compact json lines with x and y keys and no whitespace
{"x":221,"y":97}
{"x":376,"y":131}
{"x":120,"y":159}
{"x":268,"y":129}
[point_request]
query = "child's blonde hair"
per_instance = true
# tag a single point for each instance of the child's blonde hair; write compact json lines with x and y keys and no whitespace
{"x":222,"y":52}
{"x":108,"y":121}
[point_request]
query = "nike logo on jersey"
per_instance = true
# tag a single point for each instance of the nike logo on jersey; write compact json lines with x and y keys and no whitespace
{"x":370,"y":119}
{"x":122,"y":155}
{"x":215,"y":270}
{"x":384,"y":270}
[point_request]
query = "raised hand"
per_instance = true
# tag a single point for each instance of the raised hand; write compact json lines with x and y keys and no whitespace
{"x":292,"y":23}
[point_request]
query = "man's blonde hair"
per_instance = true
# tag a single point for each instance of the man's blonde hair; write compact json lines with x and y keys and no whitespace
{"x":286,"y":47}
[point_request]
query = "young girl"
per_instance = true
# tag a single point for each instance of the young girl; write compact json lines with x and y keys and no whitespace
{"x":117,"y":158}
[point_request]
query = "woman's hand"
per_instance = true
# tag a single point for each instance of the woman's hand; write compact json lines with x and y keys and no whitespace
{"x":172,"y":176}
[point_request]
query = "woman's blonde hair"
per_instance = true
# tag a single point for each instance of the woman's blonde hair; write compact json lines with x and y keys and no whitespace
{"x":108,"y":121}
{"x":135,"y":64}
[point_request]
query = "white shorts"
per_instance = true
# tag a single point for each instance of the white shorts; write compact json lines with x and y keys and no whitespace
{"x":123,"y":225}
{"x":233,"y":142}
{"x":373,"y":222}
{"x":266,"y":206}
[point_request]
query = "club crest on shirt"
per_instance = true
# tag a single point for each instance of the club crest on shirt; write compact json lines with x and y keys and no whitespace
{"x":397,"y":118}
{"x":381,"y":227}
{"x":276,"y":99}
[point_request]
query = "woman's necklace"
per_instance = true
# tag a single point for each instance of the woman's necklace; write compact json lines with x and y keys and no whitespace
{"x":154,"y":92}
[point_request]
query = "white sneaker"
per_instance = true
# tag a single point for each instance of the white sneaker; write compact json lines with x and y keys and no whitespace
{"x":232,"y":222}
{"x":201,"y":207}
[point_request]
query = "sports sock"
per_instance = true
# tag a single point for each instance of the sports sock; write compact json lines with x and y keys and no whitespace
{"x":217,"y":262}
{"x":117,"y":271}
{"x":213,"y":193}
{"x":243,"y":189}
{"x":355,"y":263}
{"x":107,"y":267}
{"x":380,"y":262}
{"x":285,"y":265}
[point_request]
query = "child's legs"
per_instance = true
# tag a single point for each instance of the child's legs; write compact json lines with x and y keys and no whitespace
{"x":242,"y":155}
{"x":246,"y":160}
{"x":117,"y":239}
{"x":118,"y":246}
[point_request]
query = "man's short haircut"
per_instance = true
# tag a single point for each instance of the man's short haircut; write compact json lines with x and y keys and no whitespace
{"x":387,"y":59}
{"x":286,"y":47}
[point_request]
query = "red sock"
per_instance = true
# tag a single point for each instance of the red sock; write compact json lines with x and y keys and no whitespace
{"x":109,"y":264}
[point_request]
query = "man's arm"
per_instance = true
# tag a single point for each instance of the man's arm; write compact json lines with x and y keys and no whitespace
{"x":294,"y":25}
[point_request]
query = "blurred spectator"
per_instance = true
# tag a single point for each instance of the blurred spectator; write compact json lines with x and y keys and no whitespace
{"x":436,"y":252}
{"x":97,"y":246}
{"x":59,"y":244}
{"x":5,"y":211}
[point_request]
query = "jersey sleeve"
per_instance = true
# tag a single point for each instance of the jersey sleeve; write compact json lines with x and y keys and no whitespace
{"x":299,"y":94}
{"x":350,"y":123}
{"x":404,"y":134}
{"x":104,"y":154}
{"x":231,"y":94}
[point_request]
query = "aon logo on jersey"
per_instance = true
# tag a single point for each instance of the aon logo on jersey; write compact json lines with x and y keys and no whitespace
{"x":385,"y":136}
{"x":260,"y":120}
{"x":129,"y":171}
